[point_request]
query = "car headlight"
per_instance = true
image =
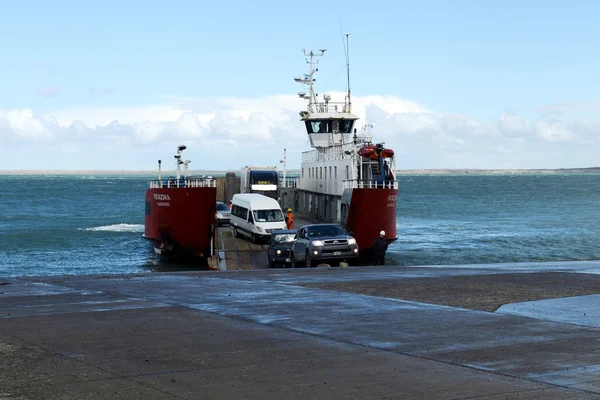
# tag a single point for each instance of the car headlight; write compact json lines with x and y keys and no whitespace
{"x":258,"y":228}
{"x":317,"y":243}
{"x":278,"y":252}
{"x":219,"y":215}
{"x":351,"y":241}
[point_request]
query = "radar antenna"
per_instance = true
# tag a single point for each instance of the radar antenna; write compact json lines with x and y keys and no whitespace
{"x":311,"y":59}
{"x":177,"y":156}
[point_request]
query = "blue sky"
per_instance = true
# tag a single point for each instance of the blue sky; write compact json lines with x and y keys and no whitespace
{"x":463,"y":84}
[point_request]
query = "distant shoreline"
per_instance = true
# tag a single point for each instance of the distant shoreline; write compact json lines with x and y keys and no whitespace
{"x":590,"y":170}
{"x":593,"y":170}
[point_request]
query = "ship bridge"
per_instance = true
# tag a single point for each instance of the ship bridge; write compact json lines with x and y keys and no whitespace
{"x":328,"y":124}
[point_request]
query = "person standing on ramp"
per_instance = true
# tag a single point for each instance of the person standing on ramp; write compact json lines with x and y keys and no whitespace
{"x":289,"y":219}
{"x":380,"y":246}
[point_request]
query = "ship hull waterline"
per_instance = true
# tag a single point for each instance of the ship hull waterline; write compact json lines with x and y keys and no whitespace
{"x":180,"y":223}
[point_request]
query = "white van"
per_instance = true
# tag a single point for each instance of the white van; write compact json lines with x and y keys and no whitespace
{"x":255,"y":216}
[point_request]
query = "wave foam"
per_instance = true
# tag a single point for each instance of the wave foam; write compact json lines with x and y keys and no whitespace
{"x":117,"y":228}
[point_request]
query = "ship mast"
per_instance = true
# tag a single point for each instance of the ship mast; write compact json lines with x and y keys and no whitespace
{"x":327,"y":123}
{"x":349,"y":109}
{"x":308,"y":78}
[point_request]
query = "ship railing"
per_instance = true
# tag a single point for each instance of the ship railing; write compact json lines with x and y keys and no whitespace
{"x":182,"y":183}
{"x":330,"y":107}
{"x":370,"y":184}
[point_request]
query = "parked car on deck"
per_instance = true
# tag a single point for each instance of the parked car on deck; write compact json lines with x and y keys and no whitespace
{"x":223,"y":213}
{"x":280,"y":245}
{"x":323,"y":242}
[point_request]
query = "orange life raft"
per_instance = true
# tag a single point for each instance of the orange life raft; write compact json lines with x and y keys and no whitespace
{"x":371,"y":152}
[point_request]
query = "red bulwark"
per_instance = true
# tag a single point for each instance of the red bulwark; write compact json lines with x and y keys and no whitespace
{"x":181,"y":219}
{"x":372,"y":211}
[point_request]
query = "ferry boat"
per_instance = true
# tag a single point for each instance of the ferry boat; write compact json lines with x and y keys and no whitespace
{"x":346,"y":177}
{"x":181,"y":214}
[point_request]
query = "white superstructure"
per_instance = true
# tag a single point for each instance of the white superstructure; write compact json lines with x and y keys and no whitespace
{"x":334,"y":167}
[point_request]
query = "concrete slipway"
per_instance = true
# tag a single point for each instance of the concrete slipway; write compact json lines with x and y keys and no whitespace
{"x":262,"y":335}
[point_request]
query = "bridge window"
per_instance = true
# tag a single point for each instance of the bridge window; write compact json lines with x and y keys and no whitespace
{"x":336,"y":126}
{"x":346,"y":125}
{"x":328,"y":125}
{"x":318,"y":126}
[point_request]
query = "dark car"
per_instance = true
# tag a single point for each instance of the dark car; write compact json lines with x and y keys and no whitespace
{"x":323,"y":242}
{"x":280,"y":243}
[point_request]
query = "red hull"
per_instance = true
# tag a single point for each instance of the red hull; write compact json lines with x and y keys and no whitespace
{"x":372,"y":211}
{"x":181,"y":221}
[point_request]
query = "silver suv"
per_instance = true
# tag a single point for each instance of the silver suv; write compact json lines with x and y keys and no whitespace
{"x":223,"y":214}
{"x":323,"y":242}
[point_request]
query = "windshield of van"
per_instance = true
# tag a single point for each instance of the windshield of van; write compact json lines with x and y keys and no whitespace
{"x":268,"y":215}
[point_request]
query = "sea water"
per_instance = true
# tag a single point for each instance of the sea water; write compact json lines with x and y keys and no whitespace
{"x":93,"y":224}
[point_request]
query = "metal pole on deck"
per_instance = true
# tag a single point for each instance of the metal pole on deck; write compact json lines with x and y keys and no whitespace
{"x":284,"y":168}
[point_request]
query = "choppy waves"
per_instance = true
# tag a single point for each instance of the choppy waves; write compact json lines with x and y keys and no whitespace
{"x":71,"y":225}
{"x":116,"y":228}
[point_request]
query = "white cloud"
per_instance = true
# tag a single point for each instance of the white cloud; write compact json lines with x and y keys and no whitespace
{"x":553,"y":131}
{"x":24,"y":125}
{"x":226,"y":133}
{"x":513,"y":125}
{"x":189,"y":126}
{"x":569,"y":107}
{"x":148,"y":132}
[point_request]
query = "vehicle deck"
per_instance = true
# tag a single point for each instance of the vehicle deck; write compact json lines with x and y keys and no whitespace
{"x":242,"y":254}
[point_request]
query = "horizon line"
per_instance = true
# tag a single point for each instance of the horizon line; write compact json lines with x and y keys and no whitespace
{"x":208,"y":172}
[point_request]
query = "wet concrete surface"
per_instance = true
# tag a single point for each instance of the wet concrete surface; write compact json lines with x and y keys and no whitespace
{"x":261,"y":334}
